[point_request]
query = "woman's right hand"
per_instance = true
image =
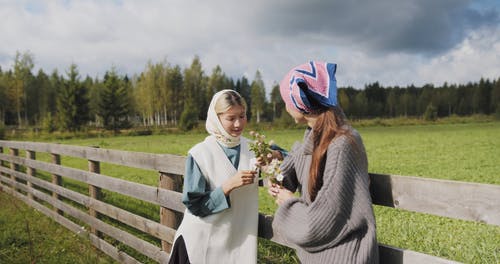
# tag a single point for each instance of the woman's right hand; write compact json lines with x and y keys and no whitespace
{"x":241,"y":178}
{"x":279,"y":193}
{"x":273,"y":189}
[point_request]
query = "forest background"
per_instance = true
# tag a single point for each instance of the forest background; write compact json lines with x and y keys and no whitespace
{"x":168,"y":96}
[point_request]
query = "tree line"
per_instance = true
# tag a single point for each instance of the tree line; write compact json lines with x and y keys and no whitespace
{"x":168,"y":95}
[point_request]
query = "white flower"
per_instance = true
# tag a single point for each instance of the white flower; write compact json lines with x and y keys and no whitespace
{"x":263,"y":150}
{"x":269,"y":169}
{"x":280,"y":177}
{"x":275,"y":163}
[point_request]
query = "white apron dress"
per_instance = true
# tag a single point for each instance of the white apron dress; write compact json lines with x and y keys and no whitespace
{"x":229,"y":236}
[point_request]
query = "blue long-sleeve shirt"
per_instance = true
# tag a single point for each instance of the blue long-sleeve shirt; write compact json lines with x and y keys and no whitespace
{"x":199,"y":199}
{"x":197,"y":195}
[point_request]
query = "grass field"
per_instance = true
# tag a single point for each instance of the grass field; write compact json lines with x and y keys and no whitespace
{"x":464,"y":152}
{"x":28,"y":236}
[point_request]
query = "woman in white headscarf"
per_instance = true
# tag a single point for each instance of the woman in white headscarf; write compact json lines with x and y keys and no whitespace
{"x":220,"y":191}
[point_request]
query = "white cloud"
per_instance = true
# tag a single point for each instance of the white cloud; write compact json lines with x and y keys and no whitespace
{"x":478,"y":56}
{"x":241,"y":37}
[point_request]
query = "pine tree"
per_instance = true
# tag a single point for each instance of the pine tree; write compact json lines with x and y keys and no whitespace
{"x":113,"y":106}
{"x":360,"y":105}
{"x":195,"y":102}
{"x":3,"y":97}
{"x":175,"y":83}
{"x":72,"y":102}
{"x":243,"y":88}
{"x":495,"y":99}
{"x":344,"y":101}
{"x":215,"y":82}
{"x":258,"y":95}
{"x":189,"y":116}
{"x":277,"y":103}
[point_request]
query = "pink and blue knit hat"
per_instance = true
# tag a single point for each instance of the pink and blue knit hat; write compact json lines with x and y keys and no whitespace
{"x":310,"y":87}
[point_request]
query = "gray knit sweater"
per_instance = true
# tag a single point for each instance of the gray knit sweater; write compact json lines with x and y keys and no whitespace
{"x":339,"y":226}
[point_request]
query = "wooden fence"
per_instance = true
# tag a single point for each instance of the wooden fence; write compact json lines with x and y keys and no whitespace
{"x":20,"y":177}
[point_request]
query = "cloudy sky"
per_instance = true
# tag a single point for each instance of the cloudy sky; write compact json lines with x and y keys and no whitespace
{"x":393,"y":42}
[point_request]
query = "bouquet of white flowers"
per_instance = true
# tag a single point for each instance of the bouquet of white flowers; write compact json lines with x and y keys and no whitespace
{"x":262,"y":149}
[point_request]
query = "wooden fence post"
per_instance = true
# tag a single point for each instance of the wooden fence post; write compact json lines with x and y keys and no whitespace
{"x":14,"y":166}
{"x":169,"y":217}
{"x":56,"y":180}
{"x":31,"y":172}
{"x":94,"y":192}
{"x":1,"y":161}
{"x":1,"y":165}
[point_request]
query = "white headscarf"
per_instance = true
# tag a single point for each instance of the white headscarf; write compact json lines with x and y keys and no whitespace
{"x":214,"y":126}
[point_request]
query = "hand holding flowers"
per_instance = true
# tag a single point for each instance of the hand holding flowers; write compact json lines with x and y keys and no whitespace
{"x":279,"y":193}
{"x":268,"y":159}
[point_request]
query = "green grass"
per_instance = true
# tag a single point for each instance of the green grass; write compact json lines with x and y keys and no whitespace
{"x":22,"y":240}
{"x":458,"y":151}
{"x":463,"y":152}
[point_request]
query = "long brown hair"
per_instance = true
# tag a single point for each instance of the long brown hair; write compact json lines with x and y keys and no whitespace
{"x":329,"y":125}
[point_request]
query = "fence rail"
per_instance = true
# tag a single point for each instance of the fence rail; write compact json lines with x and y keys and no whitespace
{"x":19,"y":176}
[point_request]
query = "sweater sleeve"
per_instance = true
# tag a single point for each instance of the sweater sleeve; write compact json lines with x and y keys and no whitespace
{"x":287,"y":168}
{"x":196,"y":194}
{"x":326,"y":221}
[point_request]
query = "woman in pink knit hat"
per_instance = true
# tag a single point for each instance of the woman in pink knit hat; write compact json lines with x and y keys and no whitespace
{"x":332,"y":221}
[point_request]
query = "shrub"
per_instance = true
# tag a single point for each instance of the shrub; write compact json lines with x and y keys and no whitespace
{"x":48,"y":123}
{"x":189,"y":119}
{"x":430,"y":113}
{"x":497,"y":112}
{"x":140,"y":132}
{"x":285,"y":120}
